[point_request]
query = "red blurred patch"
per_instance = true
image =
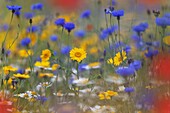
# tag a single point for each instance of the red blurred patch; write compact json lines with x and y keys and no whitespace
{"x":160,"y":66}
{"x":149,"y":3}
{"x":67,"y":5}
{"x":89,"y":27}
{"x":162,"y":105}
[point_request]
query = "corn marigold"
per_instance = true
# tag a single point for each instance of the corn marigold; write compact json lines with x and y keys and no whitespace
{"x":118,"y":59}
{"x":78,"y":54}
{"x":46,"y":54}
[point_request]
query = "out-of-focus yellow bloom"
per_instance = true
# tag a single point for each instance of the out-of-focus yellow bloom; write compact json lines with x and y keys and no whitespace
{"x":37,"y":19}
{"x":43,"y":64}
{"x":166,"y":40}
{"x":7,"y":69}
{"x":9,"y":81}
{"x":55,"y":67}
{"x":101,"y":96}
{"x":68,"y":17}
{"x":93,"y":50}
{"x":21,"y":76}
{"x":45,"y":34}
{"x":44,"y":75}
{"x":112,"y":93}
{"x":25,"y":53}
{"x":107,"y":95}
{"x":46,"y":54}
{"x":94,"y":64}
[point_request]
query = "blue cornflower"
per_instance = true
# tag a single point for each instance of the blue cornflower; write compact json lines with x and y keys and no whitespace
{"x":17,"y":13}
{"x":127,"y":49}
{"x":38,"y":59}
{"x":5,"y":27}
{"x":37,"y":6}
{"x":14,"y":8}
{"x":167,"y":15}
{"x":156,"y":44}
{"x":106,"y":32}
{"x":21,"y":71}
{"x":26,"y":41}
{"x":136,"y":64}
{"x":114,"y":2}
{"x":111,"y":29}
{"x":55,"y":53}
{"x":109,"y":10}
{"x":80,"y":33}
{"x":163,"y":21}
{"x":53,"y":38}
{"x":33,"y":29}
{"x":129,"y":89}
{"x":146,"y":100}
{"x":151,"y":52}
{"x":85,"y":14}
{"x":125,"y":71}
{"x":60,"y":22}
{"x":141,"y":27}
{"x":29,"y":15}
{"x":42,"y":99}
{"x":69,"y":26}
{"x":136,"y":38}
{"x":140,"y":45}
{"x":82,"y":67}
{"x":118,"y":13}
{"x":65,"y":50}
{"x":8,"y":52}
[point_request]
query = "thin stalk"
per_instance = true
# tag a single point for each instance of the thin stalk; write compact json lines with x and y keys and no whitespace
{"x":3,"y":43}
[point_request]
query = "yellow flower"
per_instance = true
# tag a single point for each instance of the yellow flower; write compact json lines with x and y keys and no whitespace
{"x":94,"y":64}
{"x":112,"y":93}
{"x":119,"y":58}
{"x":7,"y":69}
{"x":101,"y":96}
{"x":93,"y":50}
{"x":25,"y":53}
{"x":46,"y":54}
{"x":21,"y":76}
{"x":107,"y":96}
{"x":55,"y":66}
{"x":110,"y":61}
{"x":42,"y":64}
{"x":78,"y":54}
{"x":9,"y":81}
{"x":44,"y":75}
{"x":166,"y":40}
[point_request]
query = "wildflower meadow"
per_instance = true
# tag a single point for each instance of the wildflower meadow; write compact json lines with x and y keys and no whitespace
{"x":84,"y":56}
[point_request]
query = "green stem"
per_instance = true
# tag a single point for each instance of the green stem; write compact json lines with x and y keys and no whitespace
{"x":3,"y":43}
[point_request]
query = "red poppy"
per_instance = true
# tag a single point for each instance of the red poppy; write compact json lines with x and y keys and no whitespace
{"x":5,"y":106}
{"x":162,"y":105}
{"x":67,"y":5}
{"x":160,"y":66}
{"x":149,"y":3}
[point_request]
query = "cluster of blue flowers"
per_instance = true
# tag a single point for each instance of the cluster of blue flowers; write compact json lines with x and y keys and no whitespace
{"x":107,"y":32}
{"x":67,"y":25}
{"x":141,"y":27}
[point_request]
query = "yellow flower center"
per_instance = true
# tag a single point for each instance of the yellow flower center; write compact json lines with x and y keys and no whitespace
{"x":78,"y":54}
